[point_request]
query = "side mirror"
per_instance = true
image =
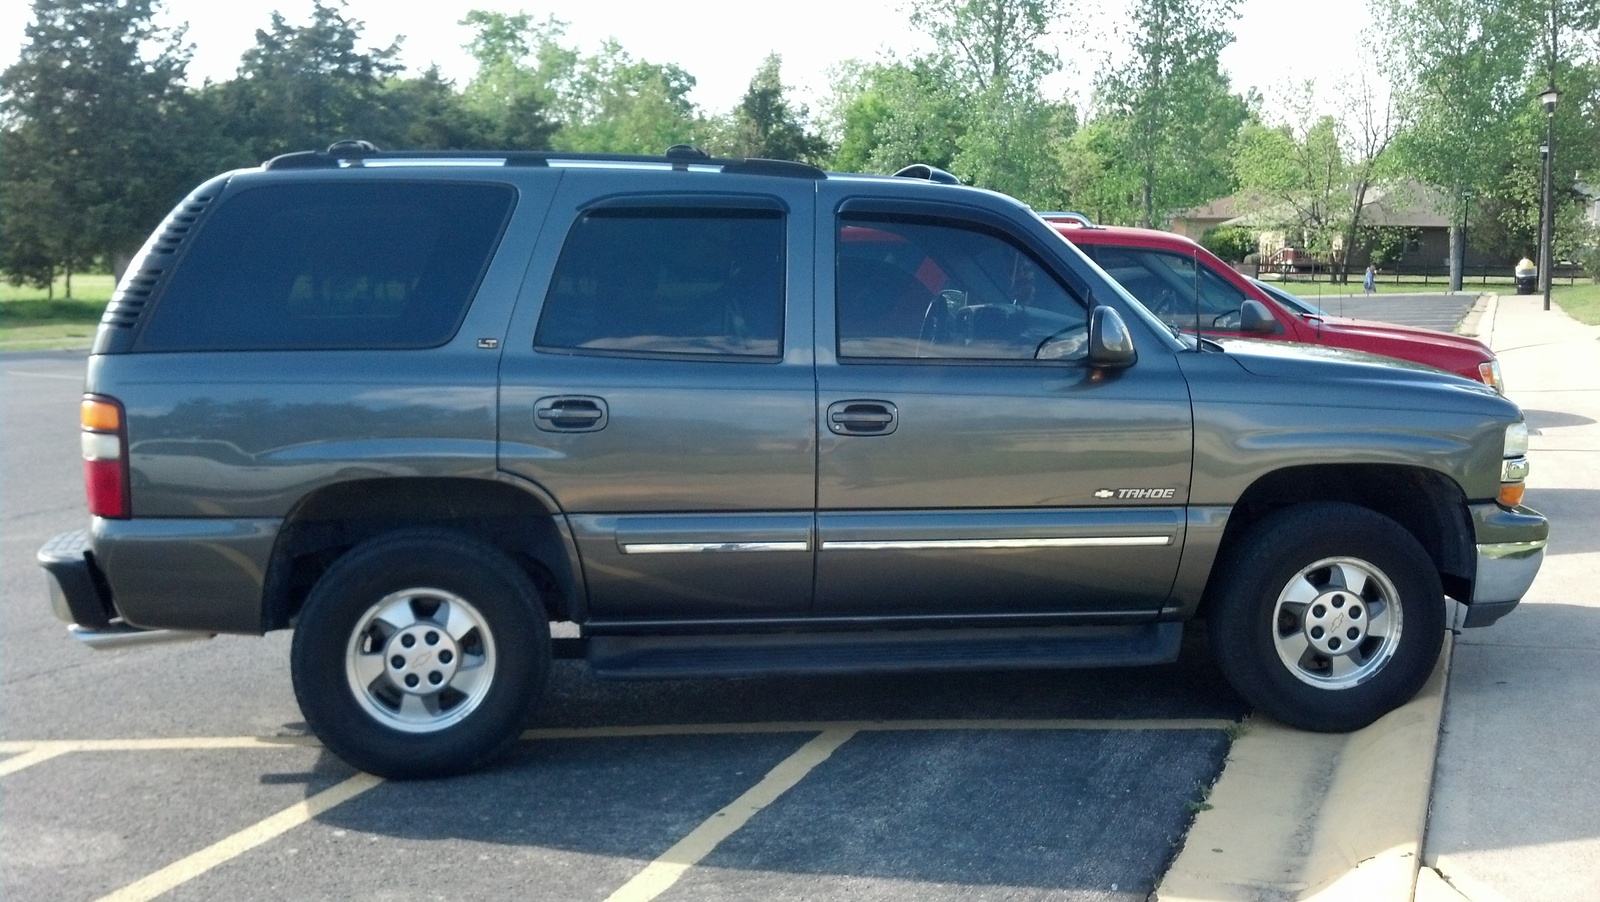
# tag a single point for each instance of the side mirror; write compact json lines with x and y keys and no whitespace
{"x":1110,"y":342}
{"x":1256,"y":319}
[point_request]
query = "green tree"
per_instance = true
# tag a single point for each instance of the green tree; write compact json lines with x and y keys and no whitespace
{"x":522,"y":72}
{"x":92,"y":113}
{"x":1231,"y":243}
{"x":1179,"y":113}
{"x":766,"y":124}
{"x":973,"y":106}
{"x":990,"y":42}
{"x":614,"y":103}
{"x":1470,"y":72}
{"x":1297,"y":176}
{"x":304,"y":87}
{"x":889,"y":115}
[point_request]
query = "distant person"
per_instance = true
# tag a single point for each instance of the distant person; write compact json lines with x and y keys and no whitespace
{"x":1370,"y":280}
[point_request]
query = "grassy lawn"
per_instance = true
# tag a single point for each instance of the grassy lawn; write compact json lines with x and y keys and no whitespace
{"x":30,"y":321}
{"x":1581,"y":301}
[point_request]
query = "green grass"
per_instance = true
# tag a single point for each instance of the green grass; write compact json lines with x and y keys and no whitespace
{"x":1582,"y":301}
{"x":30,"y":320}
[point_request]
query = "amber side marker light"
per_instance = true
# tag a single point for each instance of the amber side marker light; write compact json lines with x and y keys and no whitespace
{"x":1511,"y":495}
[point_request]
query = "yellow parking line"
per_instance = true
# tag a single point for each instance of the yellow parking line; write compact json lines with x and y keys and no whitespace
{"x":186,"y":869}
{"x":28,"y":759}
{"x":662,"y":873}
{"x":182,"y":743}
{"x":29,"y":753}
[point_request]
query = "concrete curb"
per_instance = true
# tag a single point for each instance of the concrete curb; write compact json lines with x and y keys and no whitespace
{"x":1313,"y":816}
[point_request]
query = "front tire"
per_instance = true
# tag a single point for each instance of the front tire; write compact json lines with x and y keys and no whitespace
{"x":1327,"y":616}
{"x":419,"y":653}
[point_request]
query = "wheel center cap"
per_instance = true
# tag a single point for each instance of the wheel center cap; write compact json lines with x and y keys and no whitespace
{"x":421,"y":659}
{"x":1336,"y":622}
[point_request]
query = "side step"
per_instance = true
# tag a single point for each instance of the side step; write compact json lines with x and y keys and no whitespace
{"x":882,"y":651}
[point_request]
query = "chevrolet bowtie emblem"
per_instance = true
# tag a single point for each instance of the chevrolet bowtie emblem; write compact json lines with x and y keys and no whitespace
{"x":1104,"y":493}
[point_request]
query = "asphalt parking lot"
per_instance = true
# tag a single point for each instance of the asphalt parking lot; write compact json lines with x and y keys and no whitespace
{"x":183,"y":771}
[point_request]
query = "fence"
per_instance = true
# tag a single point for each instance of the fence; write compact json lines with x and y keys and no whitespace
{"x":1562,"y":274}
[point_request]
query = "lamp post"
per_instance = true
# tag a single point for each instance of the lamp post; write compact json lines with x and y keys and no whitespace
{"x":1547,"y":225}
{"x":1466,"y":205}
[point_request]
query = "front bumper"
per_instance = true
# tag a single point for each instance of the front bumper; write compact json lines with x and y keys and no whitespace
{"x":1510,"y":546}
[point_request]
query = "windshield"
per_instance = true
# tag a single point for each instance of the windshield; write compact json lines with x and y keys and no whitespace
{"x":1288,"y":300}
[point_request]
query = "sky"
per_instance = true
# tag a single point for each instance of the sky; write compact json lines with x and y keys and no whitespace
{"x":722,"y":42}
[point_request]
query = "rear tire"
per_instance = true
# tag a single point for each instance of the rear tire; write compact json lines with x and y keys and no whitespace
{"x":1327,"y":616}
{"x":419,"y":653}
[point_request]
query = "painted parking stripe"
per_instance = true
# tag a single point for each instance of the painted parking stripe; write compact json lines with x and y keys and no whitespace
{"x":29,"y":753}
{"x":186,"y":869}
{"x":29,"y":758}
{"x":662,"y":873}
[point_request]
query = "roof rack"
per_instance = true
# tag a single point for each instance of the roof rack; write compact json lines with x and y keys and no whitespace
{"x":1069,"y":217}
{"x":352,"y":153}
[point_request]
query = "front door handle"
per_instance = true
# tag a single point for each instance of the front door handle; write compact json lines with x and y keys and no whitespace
{"x":862,"y":417}
{"x":570,"y":413}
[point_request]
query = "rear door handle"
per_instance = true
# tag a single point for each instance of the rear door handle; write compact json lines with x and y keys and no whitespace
{"x":570,"y":413}
{"x":862,"y":417}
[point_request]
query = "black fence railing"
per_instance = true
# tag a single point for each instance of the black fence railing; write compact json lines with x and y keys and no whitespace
{"x":1421,"y":273}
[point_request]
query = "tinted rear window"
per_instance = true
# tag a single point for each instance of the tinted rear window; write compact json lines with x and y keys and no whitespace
{"x":702,"y":282}
{"x":332,"y":266}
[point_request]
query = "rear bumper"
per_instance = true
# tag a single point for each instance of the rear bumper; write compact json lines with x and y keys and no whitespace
{"x":81,"y":597}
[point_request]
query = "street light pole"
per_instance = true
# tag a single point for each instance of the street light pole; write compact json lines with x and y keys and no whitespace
{"x":1466,"y":205}
{"x":1547,"y":221}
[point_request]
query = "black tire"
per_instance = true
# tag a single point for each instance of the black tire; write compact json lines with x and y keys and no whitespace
{"x":1343,"y":658}
{"x":450,"y":615}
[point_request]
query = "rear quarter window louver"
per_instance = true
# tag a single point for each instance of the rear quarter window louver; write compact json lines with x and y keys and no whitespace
{"x":146,"y":274}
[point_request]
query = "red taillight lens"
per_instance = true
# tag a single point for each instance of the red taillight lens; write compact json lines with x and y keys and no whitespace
{"x":103,"y":479}
{"x":105,"y":457}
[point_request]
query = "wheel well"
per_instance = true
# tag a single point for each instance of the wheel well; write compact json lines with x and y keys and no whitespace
{"x":1427,"y":504}
{"x":331,"y":521}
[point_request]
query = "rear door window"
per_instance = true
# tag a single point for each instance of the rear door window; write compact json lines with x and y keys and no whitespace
{"x":321,"y":265}
{"x":669,"y":282}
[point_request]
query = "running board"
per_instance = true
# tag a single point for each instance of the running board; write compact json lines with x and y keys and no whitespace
{"x":882,"y":651}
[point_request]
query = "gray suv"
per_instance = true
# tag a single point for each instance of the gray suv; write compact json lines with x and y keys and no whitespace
{"x":735,"y":417}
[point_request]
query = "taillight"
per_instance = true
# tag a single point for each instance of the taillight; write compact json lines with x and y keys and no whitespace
{"x":105,"y":456}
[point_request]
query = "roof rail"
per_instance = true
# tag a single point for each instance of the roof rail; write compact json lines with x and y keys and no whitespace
{"x":927,"y":173}
{"x":1068,"y":216}
{"x":679,"y":156}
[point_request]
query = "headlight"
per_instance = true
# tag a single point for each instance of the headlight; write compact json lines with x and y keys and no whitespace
{"x":1514,"y":464}
{"x":1516,"y":439}
{"x":1489,"y":374}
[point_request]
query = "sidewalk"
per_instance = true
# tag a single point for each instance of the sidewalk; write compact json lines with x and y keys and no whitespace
{"x":1516,"y":799}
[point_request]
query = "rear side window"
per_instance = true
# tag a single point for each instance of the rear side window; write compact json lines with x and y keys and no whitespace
{"x":681,"y":282}
{"x":373,"y":265}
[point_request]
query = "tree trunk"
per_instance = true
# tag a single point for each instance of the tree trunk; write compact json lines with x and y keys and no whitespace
{"x":1455,"y":257}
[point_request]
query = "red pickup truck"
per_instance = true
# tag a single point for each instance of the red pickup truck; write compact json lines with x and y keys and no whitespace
{"x":1159,"y":270}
